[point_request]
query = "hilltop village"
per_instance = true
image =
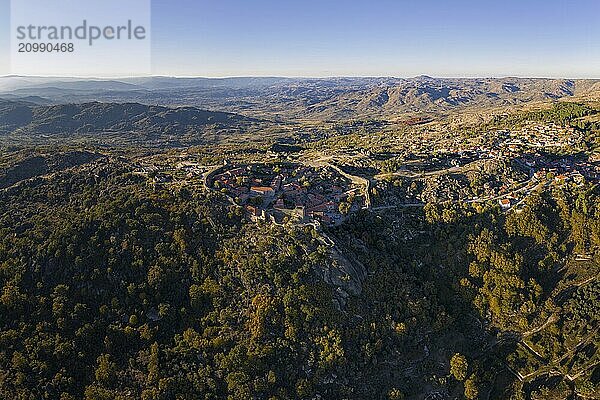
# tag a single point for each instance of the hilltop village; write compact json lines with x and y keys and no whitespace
{"x":288,"y":192}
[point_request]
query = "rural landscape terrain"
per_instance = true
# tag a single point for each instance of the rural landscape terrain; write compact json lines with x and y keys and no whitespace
{"x":279,"y":238}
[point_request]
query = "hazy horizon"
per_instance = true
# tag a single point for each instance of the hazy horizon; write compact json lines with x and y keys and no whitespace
{"x":104,"y":78}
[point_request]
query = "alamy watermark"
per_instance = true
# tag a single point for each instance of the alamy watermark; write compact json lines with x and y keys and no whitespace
{"x":75,"y":38}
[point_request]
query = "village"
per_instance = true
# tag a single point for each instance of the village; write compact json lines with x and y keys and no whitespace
{"x":503,"y":166}
{"x":282,"y":193}
{"x":500,"y":166}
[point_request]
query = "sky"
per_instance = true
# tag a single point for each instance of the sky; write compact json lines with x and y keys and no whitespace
{"x":4,"y":37}
{"x":402,"y":38}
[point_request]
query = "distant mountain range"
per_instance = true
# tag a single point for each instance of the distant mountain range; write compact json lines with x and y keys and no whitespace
{"x":303,"y":98}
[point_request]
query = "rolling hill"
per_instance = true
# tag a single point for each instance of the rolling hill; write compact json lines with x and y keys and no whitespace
{"x":304,"y":98}
{"x":109,"y":117}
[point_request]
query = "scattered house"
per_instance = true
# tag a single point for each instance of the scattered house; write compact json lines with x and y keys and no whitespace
{"x":505,"y":204}
{"x":276,"y":184}
{"x":561,"y":179}
{"x":540,"y":174}
{"x":262,"y":190}
{"x":279,"y":205}
{"x":300,"y":212}
{"x":253,"y":211}
{"x":236,"y":172}
{"x":293,"y":188}
{"x":243,"y":198}
{"x":330,"y":206}
{"x":578,"y":178}
{"x":317,"y":214}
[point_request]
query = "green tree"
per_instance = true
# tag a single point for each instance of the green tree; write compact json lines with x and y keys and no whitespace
{"x":471,"y":390}
{"x":105,"y":371}
{"x":344,"y":207}
{"x":459,"y":366}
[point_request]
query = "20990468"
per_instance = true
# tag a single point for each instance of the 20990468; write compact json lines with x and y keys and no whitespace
{"x":46,"y":47}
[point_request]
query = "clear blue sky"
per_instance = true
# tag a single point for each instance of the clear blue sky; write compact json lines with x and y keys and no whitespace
{"x":4,"y":37}
{"x":554,"y":38}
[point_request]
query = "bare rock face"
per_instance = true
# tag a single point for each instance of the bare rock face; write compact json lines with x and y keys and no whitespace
{"x":346,"y":275}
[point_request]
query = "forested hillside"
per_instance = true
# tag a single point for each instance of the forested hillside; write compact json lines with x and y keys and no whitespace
{"x":97,"y":118}
{"x":116,"y":287}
